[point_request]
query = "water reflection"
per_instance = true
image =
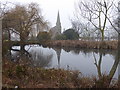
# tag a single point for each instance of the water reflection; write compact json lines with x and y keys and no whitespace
{"x":34,"y":57}
{"x":76,"y":51}
{"x":98,"y":59}
{"x":115,"y":65}
{"x":89,"y":62}
{"x":98,"y":64}
{"x":39,"y":59}
{"x":58,"y":52}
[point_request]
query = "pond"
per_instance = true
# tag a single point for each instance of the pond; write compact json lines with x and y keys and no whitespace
{"x":84,"y":60}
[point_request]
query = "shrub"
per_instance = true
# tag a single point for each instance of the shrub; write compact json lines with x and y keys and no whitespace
{"x":43,"y":36}
{"x":60,"y":37}
{"x":5,"y":48}
{"x":71,"y":34}
{"x":20,"y":70}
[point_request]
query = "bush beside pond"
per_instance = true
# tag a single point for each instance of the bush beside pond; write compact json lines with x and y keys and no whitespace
{"x":42,"y":36}
{"x":82,"y":44}
{"x":25,"y":76}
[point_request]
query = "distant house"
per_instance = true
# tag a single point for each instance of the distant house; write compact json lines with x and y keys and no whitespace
{"x":56,"y":30}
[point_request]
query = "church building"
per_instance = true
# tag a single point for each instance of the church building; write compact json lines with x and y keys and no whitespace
{"x":56,"y":30}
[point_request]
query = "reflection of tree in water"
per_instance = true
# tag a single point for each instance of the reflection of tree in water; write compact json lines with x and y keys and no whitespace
{"x":112,"y":70}
{"x":88,"y":52}
{"x":18,"y":55}
{"x":67,"y":49}
{"x":76,"y":51}
{"x":116,"y":62}
{"x":39,"y":59}
{"x":35,"y":58}
{"x":98,"y":64}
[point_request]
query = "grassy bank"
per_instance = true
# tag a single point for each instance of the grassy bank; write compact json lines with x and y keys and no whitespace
{"x":24,"y":76}
{"x":82,"y":44}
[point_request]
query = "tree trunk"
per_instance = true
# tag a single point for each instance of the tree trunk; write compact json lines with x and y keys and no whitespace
{"x":22,"y":43}
{"x":99,"y":66}
{"x":22,"y":47}
{"x":117,"y":60}
{"x":102,"y":32}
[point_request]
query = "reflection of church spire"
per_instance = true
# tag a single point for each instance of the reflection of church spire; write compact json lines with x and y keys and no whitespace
{"x":58,"y":52}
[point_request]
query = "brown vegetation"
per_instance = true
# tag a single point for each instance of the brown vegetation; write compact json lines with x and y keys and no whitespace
{"x":25,"y":76}
{"x":83,"y":44}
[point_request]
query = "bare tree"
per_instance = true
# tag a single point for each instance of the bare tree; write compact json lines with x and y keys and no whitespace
{"x":85,"y":30}
{"x":96,"y":12}
{"x":2,"y":9}
{"x":21,"y":20}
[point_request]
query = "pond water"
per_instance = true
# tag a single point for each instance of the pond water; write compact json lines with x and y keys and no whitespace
{"x":73,"y":59}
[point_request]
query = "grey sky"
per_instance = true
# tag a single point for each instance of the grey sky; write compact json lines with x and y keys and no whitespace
{"x":50,"y":9}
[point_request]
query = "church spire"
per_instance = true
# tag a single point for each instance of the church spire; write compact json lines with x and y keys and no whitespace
{"x":58,"y":24}
{"x":58,"y":19}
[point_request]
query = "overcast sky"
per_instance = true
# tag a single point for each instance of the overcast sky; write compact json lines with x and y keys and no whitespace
{"x":65,"y":7}
{"x":50,"y":9}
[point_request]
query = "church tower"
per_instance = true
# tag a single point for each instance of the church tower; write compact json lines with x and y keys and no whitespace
{"x":58,"y":24}
{"x":56,"y":30}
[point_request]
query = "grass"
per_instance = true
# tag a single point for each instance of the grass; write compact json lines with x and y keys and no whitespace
{"x":25,"y":76}
{"x":82,"y":44}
